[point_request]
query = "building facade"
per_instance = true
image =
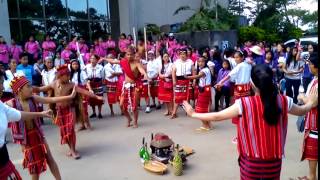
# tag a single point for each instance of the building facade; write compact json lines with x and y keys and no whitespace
{"x":88,"y":18}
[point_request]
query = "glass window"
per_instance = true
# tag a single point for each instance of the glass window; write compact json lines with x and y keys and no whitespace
{"x":31,"y":8}
{"x":100,"y":29}
{"x":12,"y":7}
{"x":80,"y":28}
{"x":34,"y":27}
{"x":15,"y":31}
{"x":56,"y":9}
{"x":77,"y":9}
{"x":58,"y":29}
{"x":98,"y":9}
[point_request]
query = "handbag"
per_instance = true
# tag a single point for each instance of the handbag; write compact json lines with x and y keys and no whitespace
{"x":300,"y":123}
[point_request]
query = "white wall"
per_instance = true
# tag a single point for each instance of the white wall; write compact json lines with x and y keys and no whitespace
{"x":4,"y":21}
{"x":137,"y":13}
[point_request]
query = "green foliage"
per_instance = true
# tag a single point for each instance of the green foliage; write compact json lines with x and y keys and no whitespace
{"x":258,"y":34}
{"x":153,"y":29}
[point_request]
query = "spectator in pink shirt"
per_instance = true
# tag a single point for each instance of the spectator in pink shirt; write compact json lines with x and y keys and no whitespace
{"x":65,"y":54}
{"x":111,"y":46}
{"x":123,"y":43}
{"x":72,"y":46}
{"x":83,"y":46}
{"x":103,"y":47}
{"x":130,"y":40}
{"x":15,"y":50}
{"x":4,"y":52}
{"x":48,"y":47}
{"x":98,"y":50}
{"x":32,"y":47}
{"x":86,"y":57}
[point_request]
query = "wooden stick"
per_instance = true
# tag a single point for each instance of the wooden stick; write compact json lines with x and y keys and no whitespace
{"x":145,"y":42}
{"x":134,"y":37}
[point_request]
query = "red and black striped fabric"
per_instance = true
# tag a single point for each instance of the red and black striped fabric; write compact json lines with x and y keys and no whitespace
{"x":66,"y":121}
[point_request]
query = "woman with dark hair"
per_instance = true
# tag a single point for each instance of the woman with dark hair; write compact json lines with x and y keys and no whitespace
{"x":307,"y":75}
{"x":293,"y":72}
{"x":225,"y":90}
{"x":95,"y":74}
{"x":123,"y":43}
{"x":48,"y":47}
{"x":260,"y":156}
{"x":32,"y":47}
{"x":165,"y":93}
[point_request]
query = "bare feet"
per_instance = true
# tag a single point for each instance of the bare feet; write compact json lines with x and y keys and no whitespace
{"x":173,"y":116}
{"x":76,"y":155}
{"x":69,"y":154}
{"x":167,"y":113}
{"x":112,"y":114}
{"x":82,"y":128}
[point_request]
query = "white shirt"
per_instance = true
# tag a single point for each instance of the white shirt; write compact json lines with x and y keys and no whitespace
{"x":153,"y":67}
{"x":241,"y":74}
{"x":48,"y":76}
{"x":167,"y":69}
{"x":206,"y":80}
{"x":112,"y":68}
{"x":58,"y":62}
{"x":83,"y":78}
{"x":8,"y":114}
{"x":232,"y":62}
{"x":95,"y":72}
{"x":10,"y":76}
{"x":310,"y":86}
{"x":239,"y":104}
{"x":183,"y":67}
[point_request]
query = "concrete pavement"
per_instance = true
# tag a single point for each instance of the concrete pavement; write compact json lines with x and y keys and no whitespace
{"x":110,"y":151}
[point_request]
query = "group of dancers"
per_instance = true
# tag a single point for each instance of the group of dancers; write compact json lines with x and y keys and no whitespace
{"x":167,"y":75}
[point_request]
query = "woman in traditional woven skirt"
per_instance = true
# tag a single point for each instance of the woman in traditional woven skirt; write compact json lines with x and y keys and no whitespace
{"x":165,"y":93}
{"x":310,"y":143}
{"x":153,"y":68}
{"x":203,"y":100}
{"x":95,"y":73}
{"x":260,"y":156}
{"x":80,"y":78}
{"x":112,"y":73}
{"x":181,"y":67}
{"x":240,"y":75}
{"x":9,"y":114}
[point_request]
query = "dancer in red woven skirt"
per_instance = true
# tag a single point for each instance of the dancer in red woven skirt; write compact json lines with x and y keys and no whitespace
{"x":181,"y":67}
{"x":112,"y":73}
{"x":132,"y":70}
{"x":240,"y":75}
{"x":260,"y":155}
{"x":9,"y":114}
{"x":310,"y":143}
{"x":165,"y":93}
{"x":28,"y":132}
{"x":66,"y":116}
{"x":204,"y":99}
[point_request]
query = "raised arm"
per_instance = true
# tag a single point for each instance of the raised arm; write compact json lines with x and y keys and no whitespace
{"x":87,"y":93}
{"x":228,"y":113}
{"x":49,"y":100}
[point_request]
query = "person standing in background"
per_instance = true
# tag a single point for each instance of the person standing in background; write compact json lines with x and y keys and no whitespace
{"x":15,"y":50}
{"x":33,"y":48}
{"x":4,"y":52}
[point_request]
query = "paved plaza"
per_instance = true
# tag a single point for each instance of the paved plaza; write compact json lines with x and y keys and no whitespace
{"x":110,"y":151}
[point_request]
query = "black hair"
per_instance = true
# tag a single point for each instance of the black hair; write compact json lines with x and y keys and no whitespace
{"x":262,"y":77}
{"x":272,"y":55}
{"x":283,"y":48}
{"x":242,"y":54}
{"x":75,"y":71}
{"x":314,"y":59}
{"x":123,"y":34}
{"x":23,"y":55}
{"x":229,"y":65}
{"x":228,"y":52}
{"x":162,"y":62}
{"x":292,"y":57}
{"x":4,"y":42}
{"x":205,"y":66}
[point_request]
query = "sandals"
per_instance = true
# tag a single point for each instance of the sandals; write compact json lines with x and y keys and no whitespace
{"x":173,"y":116}
{"x":203,"y":129}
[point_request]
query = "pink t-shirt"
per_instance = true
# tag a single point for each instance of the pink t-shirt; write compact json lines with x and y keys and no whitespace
{"x":110,"y":44}
{"x":4,"y":53}
{"x":72,"y":46}
{"x":32,"y":47}
{"x":83,"y":48}
{"x":99,"y":50}
{"x":15,"y":51}
{"x":48,"y":48}
{"x":65,"y":55}
{"x":123,"y":44}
